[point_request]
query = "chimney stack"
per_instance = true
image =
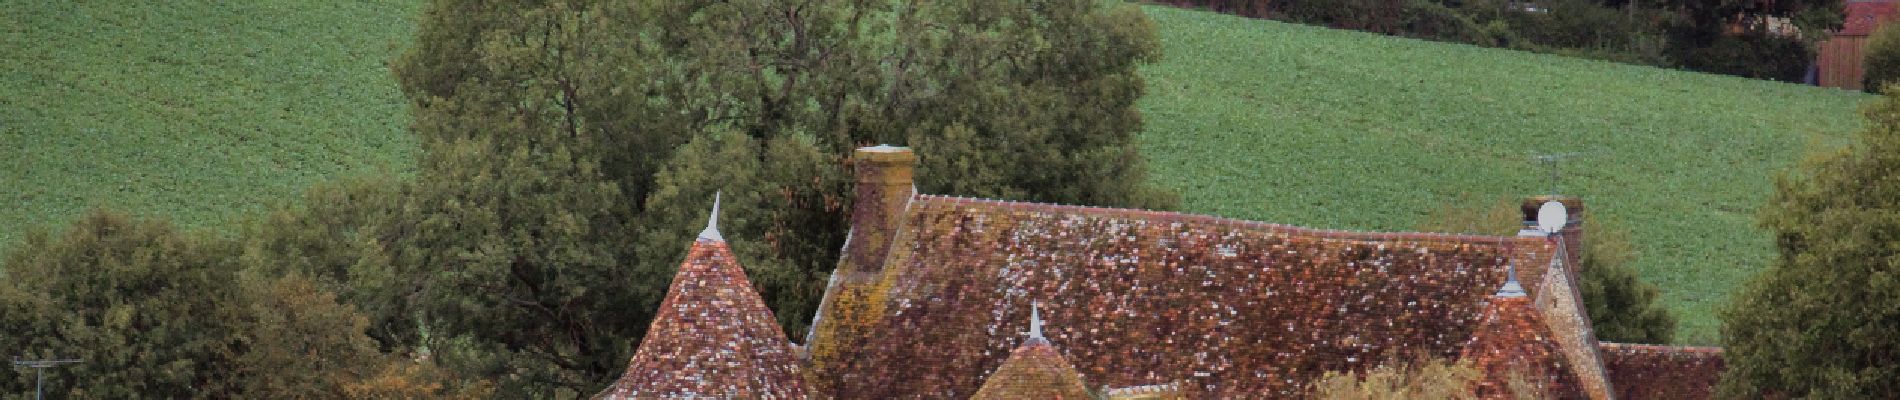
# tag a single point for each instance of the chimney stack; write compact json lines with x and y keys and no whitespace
{"x":1572,"y":233}
{"x":884,"y":188}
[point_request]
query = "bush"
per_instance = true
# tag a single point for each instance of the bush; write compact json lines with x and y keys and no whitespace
{"x":156,"y":312}
{"x":1753,"y":55}
{"x":1882,"y":63}
{"x":1424,"y":379}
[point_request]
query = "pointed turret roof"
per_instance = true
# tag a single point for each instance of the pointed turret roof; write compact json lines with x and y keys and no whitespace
{"x":1035,"y":370}
{"x":712,"y":337}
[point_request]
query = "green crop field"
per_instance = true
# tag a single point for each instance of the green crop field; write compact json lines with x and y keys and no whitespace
{"x":199,"y":111}
{"x":192,"y":110}
{"x":1326,"y":128}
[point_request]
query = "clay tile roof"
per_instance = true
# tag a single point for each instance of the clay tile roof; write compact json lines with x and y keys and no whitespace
{"x":712,"y":338}
{"x":1165,"y":391}
{"x":1663,"y":372}
{"x":1035,"y":370}
{"x":1512,"y":338}
{"x":1228,"y":308}
{"x":1861,"y":18}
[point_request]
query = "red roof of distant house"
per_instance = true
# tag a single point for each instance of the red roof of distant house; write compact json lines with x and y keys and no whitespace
{"x":1863,"y":17}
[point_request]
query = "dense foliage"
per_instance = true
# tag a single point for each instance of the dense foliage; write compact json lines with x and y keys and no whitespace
{"x":1623,"y":308}
{"x":1881,"y":65}
{"x":1824,"y":320}
{"x":1734,"y":37}
{"x":150,"y":311}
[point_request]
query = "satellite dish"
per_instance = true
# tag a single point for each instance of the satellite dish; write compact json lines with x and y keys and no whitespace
{"x":1552,"y":216}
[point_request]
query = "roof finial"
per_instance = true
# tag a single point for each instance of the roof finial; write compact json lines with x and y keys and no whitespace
{"x":1035,"y":322}
{"x":1511,"y":287}
{"x":712,"y":222}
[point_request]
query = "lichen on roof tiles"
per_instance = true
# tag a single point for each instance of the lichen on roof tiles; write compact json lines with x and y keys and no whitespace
{"x":1511,"y":338}
{"x":712,"y":338}
{"x":1663,"y":372}
{"x":1034,"y":370}
{"x":1228,"y":308}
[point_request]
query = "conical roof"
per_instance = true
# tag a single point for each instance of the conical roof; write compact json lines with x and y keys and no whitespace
{"x":1035,"y":370}
{"x":713,"y":337}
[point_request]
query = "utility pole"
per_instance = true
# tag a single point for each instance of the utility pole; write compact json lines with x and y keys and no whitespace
{"x":39,"y":367}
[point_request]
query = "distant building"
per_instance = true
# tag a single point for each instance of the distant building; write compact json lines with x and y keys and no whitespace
{"x":959,"y":298}
{"x":1839,"y":60}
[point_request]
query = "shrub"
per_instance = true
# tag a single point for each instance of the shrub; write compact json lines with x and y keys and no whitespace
{"x":1882,"y":63}
{"x":1423,"y":379}
{"x":1753,"y":55}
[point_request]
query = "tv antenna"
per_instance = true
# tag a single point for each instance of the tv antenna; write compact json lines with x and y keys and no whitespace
{"x":1551,"y":161}
{"x":39,"y":367}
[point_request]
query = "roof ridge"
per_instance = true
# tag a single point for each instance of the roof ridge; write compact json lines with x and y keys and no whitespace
{"x":1215,"y":219}
{"x":1661,"y":347}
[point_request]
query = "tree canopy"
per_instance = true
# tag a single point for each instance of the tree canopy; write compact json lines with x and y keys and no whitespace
{"x":570,"y":149}
{"x":150,"y":311}
{"x":1823,"y":321}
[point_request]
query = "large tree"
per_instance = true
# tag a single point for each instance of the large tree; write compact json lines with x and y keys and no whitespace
{"x":1823,"y":321}
{"x":570,"y":149}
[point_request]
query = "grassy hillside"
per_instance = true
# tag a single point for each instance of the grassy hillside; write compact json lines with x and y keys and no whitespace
{"x":1295,"y":124}
{"x":191,"y":110}
{"x":199,"y":111}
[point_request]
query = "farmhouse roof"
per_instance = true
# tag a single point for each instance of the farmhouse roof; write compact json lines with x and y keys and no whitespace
{"x":712,"y":337}
{"x":1228,"y":307}
{"x":1663,"y":372}
{"x":1512,"y":338}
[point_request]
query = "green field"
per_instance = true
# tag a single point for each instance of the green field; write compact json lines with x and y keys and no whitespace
{"x":199,"y":112}
{"x":1293,"y":124}
{"x":192,"y":110}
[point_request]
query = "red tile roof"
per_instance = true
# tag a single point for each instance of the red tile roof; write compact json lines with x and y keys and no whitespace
{"x":713,"y":337}
{"x":1035,"y":370}
{"x":1229,"y":308}
{"x":1512,"y":338}
{"x":1663,"y":372}
{"x":1862,"y":18}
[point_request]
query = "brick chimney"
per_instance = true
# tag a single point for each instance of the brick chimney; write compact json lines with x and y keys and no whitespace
{"x":884,"y":188}
{"x":1572,"y":233}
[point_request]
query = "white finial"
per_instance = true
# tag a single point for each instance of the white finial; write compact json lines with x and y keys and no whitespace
{"x":712,"y":222}
{"x":1035,"y":322}
{"x":1511,"y":287}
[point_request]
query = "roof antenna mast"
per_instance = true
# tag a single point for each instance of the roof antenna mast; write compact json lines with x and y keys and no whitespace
{"x":40,"y":366}
{"x":1551,"y":161}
